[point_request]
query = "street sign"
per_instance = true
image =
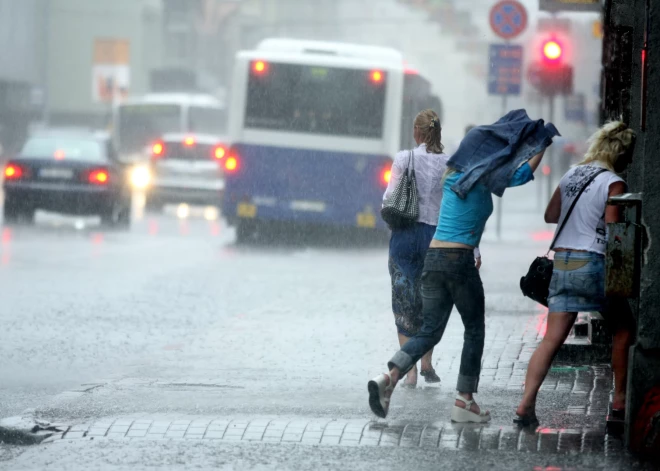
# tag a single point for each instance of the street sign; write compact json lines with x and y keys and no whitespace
{"x":570,"y":5}
{"x":508,"y":19}
{"x":574,"y":108}
{"x":505,"y":71}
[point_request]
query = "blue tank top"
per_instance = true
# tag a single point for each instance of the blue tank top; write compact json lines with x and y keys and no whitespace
{"x":463,"y":220}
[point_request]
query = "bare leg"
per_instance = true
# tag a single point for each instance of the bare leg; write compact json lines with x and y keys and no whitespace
{"x":468,"y":397}
{"x":427,"y":361}
{"x":559,"y":326}
{"x":620,"y":348}
{"x":411,"y":377}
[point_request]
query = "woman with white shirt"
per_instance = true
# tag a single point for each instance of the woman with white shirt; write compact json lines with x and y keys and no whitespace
{"x":578,"y":279}
{"x":408,"y":246}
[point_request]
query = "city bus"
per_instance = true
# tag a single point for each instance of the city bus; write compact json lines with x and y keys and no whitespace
{"x":314,"y":127}
{"x":139,"y":122}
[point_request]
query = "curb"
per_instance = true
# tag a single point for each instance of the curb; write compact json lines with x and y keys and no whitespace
{"x":25,"y":431}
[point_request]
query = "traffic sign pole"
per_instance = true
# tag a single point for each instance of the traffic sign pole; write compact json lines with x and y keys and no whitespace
{"x":508,"y":19}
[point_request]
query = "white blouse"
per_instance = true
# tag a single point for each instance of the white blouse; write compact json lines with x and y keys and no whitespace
{"x":429,"y":170}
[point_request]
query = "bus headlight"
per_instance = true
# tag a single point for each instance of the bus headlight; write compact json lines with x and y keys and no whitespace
{"x":140,"y":177}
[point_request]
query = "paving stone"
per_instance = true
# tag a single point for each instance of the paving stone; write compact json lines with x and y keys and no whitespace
{"x":140,"y":426}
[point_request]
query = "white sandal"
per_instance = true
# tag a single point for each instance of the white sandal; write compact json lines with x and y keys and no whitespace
{"x":379,"y":401}
{"x":464,"y":414}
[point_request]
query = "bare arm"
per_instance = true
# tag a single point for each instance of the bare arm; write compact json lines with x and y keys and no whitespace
{"x":553,"y":211}
{"x":536,"y":160}
{"x":613,"y":213}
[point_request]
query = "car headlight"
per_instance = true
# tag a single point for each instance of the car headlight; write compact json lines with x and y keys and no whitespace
{"x":140,"y":177}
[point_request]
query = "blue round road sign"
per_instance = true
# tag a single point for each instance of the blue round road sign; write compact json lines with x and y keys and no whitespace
{"x":508,"y":19}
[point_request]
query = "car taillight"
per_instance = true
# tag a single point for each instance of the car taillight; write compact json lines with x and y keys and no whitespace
{"x":189,"y":141}
{"x":98,"y":177}
{"x":219,"y":152}
{"x":14,"y":172}
{"x":158,"y":149}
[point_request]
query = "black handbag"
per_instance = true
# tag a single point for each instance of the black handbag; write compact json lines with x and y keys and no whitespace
{"x":536,"y":283}
{"x":401,"y":209}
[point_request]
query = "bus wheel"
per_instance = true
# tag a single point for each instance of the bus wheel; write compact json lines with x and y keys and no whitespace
{"x":246,"y":231}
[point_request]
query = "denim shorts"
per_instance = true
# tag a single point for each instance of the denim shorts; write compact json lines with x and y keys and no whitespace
{"x":578,"y":282}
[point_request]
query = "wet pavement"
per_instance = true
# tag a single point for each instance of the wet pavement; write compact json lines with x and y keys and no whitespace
{"x":169,"y":346}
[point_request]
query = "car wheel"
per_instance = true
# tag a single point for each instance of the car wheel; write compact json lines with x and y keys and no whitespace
{"x":118,"y":215}
{"x":14,"y":213}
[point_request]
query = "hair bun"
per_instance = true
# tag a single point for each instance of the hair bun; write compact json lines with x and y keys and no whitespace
{"x":621,"y":127}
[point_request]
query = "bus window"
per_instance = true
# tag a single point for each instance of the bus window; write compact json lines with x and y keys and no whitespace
{"x":139,"y":125}
{"x":319,"y":100}
{"x":206,"y":120}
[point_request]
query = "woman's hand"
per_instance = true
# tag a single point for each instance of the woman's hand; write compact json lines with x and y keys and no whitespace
{"x":477,"y":263}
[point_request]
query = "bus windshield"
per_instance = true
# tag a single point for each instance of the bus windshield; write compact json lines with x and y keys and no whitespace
{"x":207,"y":120}
{"x":139,"y":125}
{"x":319,"y":100}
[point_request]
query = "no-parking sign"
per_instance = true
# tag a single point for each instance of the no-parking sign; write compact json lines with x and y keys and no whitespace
{"x":508,"y":19}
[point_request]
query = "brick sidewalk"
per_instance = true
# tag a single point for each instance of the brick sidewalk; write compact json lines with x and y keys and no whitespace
{"x":350,"y":433}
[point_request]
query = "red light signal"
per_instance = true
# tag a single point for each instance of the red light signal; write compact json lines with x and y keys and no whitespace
{"x":552,"y":51}
{"x":550,"y":73}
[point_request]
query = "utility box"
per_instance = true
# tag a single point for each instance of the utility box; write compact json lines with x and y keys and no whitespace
{"x":621,"y":263}
{"x":624,"y":248}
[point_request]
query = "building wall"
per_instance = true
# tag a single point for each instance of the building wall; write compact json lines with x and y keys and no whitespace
{"x":73,"y":27}
{"x":21,"y":24}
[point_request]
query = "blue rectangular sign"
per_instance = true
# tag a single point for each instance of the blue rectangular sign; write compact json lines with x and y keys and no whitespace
{"x":505,"y":69}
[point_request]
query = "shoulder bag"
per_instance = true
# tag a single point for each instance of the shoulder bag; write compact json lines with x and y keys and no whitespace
{"x":401,"y":209}
{"x":536,"y":283}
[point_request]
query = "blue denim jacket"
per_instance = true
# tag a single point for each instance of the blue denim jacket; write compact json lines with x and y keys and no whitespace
{"x":492,"y":153}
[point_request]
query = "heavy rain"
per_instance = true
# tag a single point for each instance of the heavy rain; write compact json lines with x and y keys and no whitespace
{"x":290,"y":234}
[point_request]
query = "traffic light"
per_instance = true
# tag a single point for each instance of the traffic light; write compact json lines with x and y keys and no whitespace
{"x":550,"y":74}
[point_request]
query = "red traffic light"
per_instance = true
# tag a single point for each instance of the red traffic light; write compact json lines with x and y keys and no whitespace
{"x":552,"y":51}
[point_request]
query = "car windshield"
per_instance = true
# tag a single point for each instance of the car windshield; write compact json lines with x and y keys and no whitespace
{"x":60,"y":148}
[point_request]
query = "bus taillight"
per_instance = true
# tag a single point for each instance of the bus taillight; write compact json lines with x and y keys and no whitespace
{"x":231,"y":164}
{"x":376,"y":76}
{"x":260,"y":67}
{"x":387,"y":176}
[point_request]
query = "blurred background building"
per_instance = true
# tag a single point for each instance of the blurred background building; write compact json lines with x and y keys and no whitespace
{"x":66,"y":61}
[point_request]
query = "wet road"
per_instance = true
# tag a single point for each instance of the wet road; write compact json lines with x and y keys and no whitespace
{"x":173,"y":319}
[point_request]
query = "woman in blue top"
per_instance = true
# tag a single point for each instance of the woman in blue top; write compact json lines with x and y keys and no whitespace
{"x":451,"y":278}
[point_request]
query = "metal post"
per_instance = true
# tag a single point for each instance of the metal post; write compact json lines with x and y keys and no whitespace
{"x":550,"y":153}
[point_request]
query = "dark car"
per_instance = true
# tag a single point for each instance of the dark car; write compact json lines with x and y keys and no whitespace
{"x":187,"y":169}
{"x":67,"y":172}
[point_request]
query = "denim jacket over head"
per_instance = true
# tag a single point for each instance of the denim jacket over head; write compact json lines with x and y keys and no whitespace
{"x":491,"y":154}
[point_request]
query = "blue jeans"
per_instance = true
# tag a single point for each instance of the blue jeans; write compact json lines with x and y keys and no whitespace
{"x":450,"y":278}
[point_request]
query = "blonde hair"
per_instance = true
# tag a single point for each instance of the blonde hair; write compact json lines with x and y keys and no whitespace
{"x":608,"y":144}
{"x":428,"y":123}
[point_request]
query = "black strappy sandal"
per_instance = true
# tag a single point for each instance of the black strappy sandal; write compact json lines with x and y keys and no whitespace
{"x":430,"y":376}
{"x":526,"y":420}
